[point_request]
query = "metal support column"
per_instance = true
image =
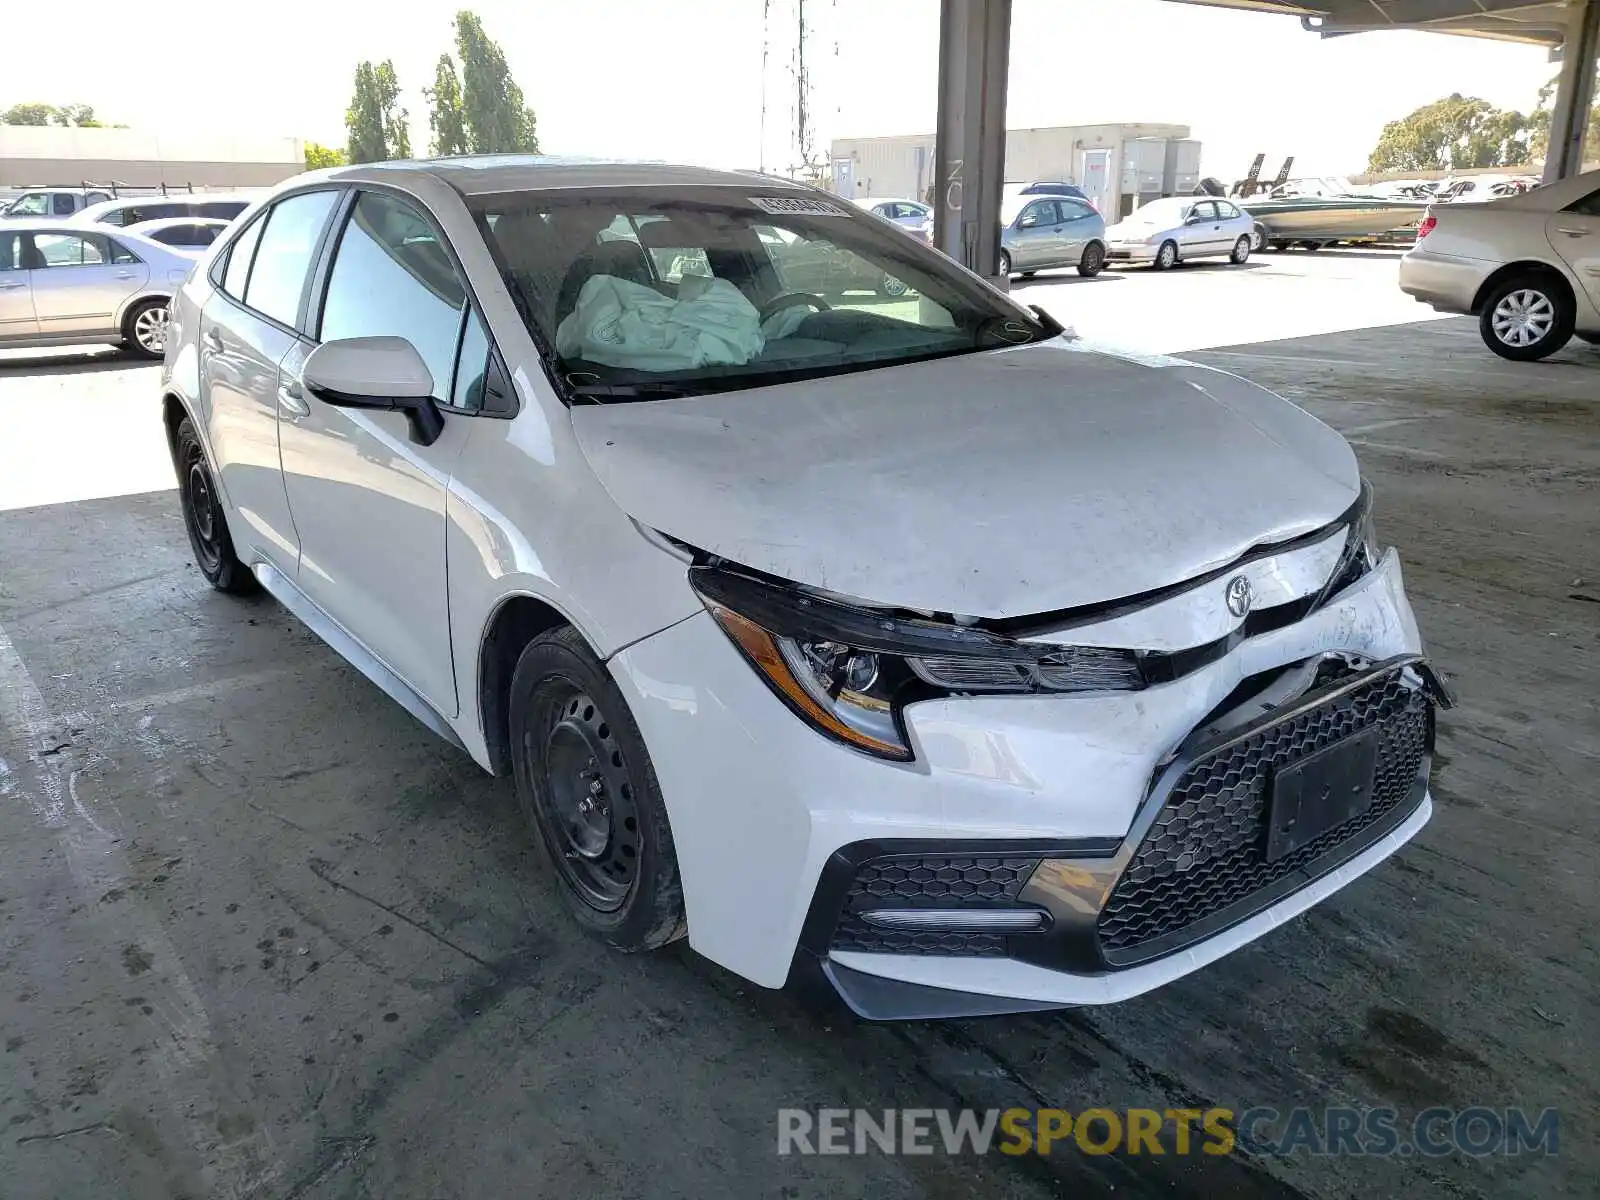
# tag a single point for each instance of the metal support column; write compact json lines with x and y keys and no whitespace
{"x":970,"y":156}
{"x":1569,"y":121}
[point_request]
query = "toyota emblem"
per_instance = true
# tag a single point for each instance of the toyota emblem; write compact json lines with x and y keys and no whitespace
{"x":1239,"y":595}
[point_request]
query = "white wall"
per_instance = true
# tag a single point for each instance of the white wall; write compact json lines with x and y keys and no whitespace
{"x":39,"y":154}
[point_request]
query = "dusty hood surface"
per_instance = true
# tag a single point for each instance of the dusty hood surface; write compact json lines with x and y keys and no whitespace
{"x":998,"y":484}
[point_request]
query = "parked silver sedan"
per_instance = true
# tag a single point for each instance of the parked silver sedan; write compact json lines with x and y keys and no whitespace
{"x":1166,"y":232}
{"x":61,"y":285}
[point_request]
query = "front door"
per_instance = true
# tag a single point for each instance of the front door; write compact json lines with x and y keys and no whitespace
{"x":16,"y":298}
{"x":80,"y":282}
{"x":368,"y":501}
{"x":1094,"y":169}
{"x":1575,"y":234}
{"x":1034,"y":242}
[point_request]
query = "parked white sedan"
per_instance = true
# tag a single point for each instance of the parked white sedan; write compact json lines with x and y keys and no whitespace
{"x":1527,"y":266}
{"x":1177,"y":229}
{"x":910,"y":647}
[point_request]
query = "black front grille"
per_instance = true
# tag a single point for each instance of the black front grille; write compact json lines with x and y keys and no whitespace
{"x":1203,"y":860}
{"x":929,"y":881}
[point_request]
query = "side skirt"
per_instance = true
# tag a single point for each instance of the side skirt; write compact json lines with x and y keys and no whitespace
{"x":325,"y":627}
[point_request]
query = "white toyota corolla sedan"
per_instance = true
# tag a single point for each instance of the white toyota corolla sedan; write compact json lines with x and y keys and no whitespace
{"x":903,"y":643}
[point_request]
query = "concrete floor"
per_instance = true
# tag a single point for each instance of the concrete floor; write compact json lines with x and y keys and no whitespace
{"x":262,"y":935}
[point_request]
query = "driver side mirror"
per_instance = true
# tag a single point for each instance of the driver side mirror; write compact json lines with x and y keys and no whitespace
{"x":1192,"y":219}
{"x":384,"y":373}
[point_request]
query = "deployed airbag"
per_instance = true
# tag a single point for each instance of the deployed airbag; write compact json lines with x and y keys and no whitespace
{"x":619,"y":323}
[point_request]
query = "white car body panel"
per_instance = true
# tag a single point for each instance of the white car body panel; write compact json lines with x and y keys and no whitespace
{"x":402,"y":555}
{"x":991,"y":766}
{"x":847,"y":484}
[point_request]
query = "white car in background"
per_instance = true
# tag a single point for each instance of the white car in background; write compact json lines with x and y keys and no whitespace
{"x":1527,"y":266}
{"x":135,"y":210}
{"x":913,"y":216}
{"x":63,"y":286}
{"x":923,"y":649}
{"x":1164,"y":233}
{"x":186,"y":235}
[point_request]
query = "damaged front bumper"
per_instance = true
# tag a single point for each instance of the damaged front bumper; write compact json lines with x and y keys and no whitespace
{"x":1041,"y":804}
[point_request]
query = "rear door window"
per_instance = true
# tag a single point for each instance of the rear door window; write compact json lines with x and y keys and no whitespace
{"x":63,"y":204}
{"x":283,"y":258}
{"x":10,"y":252}
{"x":68,"y":250}
{"x":240,"y":255}
{"x":1589,"y":206}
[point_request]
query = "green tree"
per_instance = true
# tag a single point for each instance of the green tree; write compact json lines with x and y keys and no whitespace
{"x":497,"y":119}
{"x":447,"y":118}
{"x":375,"y":121}
{"x":1455,"y":133}
{"x":1539,"y":121}
{"x":81,"y":115}
{"x":318,"y":156}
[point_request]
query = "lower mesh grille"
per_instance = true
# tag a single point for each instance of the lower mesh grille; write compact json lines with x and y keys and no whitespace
{"x":929,"y":881}
{"x":1205,"y":852}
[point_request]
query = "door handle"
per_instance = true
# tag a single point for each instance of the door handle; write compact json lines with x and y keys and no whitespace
{"x":124,"y":274}
{"x":1574,"y":232}
{"x":292,"y":400}
{"x":213,"y":341}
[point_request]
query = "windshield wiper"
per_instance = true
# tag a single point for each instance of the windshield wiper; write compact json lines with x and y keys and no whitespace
{"x":655,"y":390}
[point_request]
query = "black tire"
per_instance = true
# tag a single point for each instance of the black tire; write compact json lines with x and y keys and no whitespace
{"x":584,"y":781}
{"x":1258,"y":239}
{"x":1166,"y":258}
{"x":203,"y":516}
{"x":1548,"y":315}
{"x":1005,"y":265}
{"x":146,"y":321}
{"x":1093,"y":260}
{"x":1241,"y":251}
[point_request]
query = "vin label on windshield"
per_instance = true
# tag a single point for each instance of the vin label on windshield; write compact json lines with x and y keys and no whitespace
{"x":796,"y":206}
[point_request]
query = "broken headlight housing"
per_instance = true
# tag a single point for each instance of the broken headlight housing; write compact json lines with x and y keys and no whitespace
{"x":848,"y":672}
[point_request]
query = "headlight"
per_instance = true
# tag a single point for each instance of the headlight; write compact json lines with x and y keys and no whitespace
{"x":1361,"y":547}
{"x":849,"y":672}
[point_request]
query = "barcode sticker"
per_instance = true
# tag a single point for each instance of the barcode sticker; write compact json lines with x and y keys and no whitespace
{"x":796,"y":206}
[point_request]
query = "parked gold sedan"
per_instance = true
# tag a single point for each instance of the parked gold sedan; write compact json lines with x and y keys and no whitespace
{"x":1528,"y":266}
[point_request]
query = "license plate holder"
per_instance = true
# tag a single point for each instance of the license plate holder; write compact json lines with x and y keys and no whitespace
{"x":1320,"y":791}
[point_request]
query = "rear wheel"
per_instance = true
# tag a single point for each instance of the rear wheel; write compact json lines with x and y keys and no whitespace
{"x":1166,"y":257}
{"x":892,"y":286}
{"x":1005,"y":265}
{"x":1241,"y":251}
{"x":584,"y":781}
{"x":1527,"y":317}
{"x":204,"y":518}
{"x":144,"y":329}
{"x":1093,"y":260}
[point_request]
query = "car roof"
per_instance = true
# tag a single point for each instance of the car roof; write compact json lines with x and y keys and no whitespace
{"x":170,"y":222}
{"x":487,"y":174}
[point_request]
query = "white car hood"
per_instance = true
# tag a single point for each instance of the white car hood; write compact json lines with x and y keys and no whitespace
{"x":996,"y":484}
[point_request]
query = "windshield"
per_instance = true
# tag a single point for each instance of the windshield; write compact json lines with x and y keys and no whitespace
{"x":1161,"y":212}
{"x":648,"y":293}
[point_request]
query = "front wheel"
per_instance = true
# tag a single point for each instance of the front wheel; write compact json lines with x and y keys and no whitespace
{"x":584,"y":780}
{"x":204,"y":518}
{"x":1166,"y":257}
{"x":1093,"y":260}
{"x":144,"y":329}
{"x":1527,"y":318}
{"x":1241,"y":251}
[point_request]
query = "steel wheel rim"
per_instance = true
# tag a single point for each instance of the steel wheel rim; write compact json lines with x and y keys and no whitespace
{"x":200,"y":509}
{"x":590,"y":811}
{"x":1167,"y":255}
{"x":1241,"y":249}
{"x":150,"y":329}
{"x":1092,"y":257}
{"x":893,"y":286}
{"x":1523,"y":318}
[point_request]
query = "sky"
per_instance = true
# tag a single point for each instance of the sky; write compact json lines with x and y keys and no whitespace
{"x":683,"y":79}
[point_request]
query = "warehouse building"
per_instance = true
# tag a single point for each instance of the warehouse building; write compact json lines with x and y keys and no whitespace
{"x":1118,"y":166}
{"x":53,"y":156}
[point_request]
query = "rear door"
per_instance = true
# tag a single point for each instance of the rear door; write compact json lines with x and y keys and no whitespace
{"x":1080,"y":225}
{"x":249,"y":334}
{"x":80,"y":281}
{"x":1575,"y":234}
{"x":16,"y":297}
